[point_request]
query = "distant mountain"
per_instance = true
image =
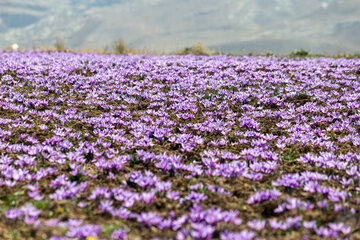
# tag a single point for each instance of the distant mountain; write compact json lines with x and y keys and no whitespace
{"x":327,"y":26}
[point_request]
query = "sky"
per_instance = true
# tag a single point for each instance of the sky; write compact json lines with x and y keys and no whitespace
{"x":239,"y":26}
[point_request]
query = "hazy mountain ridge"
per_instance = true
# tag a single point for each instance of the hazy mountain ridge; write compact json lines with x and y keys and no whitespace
{"x":250,"y":25}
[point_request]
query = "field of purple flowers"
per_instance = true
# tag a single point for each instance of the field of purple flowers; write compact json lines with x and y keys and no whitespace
{"x":178,"y":147}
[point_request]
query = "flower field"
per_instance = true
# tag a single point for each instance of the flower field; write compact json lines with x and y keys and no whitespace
{"x":178,"y":147}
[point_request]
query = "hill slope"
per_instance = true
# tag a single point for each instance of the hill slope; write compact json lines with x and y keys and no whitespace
{"x":252,"y":25}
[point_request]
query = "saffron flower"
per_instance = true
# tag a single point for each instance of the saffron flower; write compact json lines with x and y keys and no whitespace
{"x":264,"y":195}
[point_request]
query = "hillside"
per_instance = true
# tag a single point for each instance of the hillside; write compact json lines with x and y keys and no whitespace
{"x":252,"y":25}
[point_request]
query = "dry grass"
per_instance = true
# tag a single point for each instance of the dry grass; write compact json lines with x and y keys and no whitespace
{"x":119,"y":47}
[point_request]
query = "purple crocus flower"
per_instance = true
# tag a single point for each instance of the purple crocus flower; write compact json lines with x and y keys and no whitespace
{"x":196,"y":197}
{"x":51,"y":222}
{"x":274,"y":224}
{"x":340,"y":227}
{"x":322,"y":204}
{"x":30,"y":210}
{"x":35,"y":195}
{"x":292,"y":203}
{"x":213,"y":215}
{"x":264,"y":195}
{"x":309,"y":224}
{"x":201,"y":231}
{"x":173,"y":195}
{"x":166,"y":223}
{"x":32,"y":221}
{"x":325,"y":232}
{"x":149,"y":218}
{"x":256,"y":224}
{"x":59,"y":238}
{"x":84,"y":231}
{"x":121,"y":212}
{"x":82,"y":204}
{"x":106,"y":205}
{"x":119,"y":234}
{"x":293,"y":222}
{"x":337,"y":207}
{"x":100,"y":191}
{"x":182,"y":234}
{"x":243,"y":235}
{"x":147,"y":197}
{"x":177,"y":224}
{"x":72,"y":222}
{"x":13,"y":213}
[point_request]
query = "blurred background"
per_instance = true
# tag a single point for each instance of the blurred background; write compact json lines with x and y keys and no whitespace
{"x":237,"y":26}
